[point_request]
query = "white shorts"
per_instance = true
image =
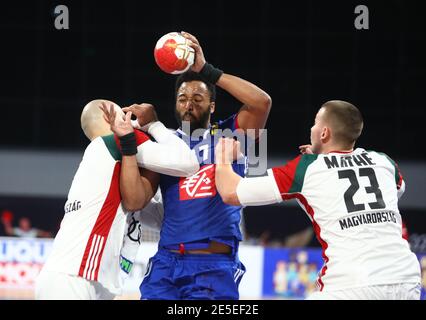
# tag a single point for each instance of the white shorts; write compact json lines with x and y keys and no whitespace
{"x":399,"y":291}
{"x":51,"y":285}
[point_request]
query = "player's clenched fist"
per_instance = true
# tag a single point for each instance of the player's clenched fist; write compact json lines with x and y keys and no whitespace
{"x":227,"y":150}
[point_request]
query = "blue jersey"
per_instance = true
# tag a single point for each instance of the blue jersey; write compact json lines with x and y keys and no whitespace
{"x":193,"y":209}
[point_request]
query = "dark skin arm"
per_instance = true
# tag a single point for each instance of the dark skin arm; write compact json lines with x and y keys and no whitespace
{"x":256,"y":102}
{"x":150,"y":181}
{"x":135,"y":190}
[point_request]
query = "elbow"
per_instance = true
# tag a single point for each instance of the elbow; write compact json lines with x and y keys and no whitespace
{"x":191,"y":168}
{"x":132,"y":206}
{"x":230,"y":198}
{"x":266,"y":102}
{"x":263,"y":102}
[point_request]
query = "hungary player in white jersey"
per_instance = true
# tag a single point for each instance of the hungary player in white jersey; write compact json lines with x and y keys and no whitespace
{"x":350,"y":195}
{"x":96,"y":242}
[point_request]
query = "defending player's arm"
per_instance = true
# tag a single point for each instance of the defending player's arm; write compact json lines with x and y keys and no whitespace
{"x":236,"y":190}
{"x":149,"y":180}
{"x":256,"y":102}
{"x":132,"y":185}
{"x":225,"y":177}
{"x":170,"y":155}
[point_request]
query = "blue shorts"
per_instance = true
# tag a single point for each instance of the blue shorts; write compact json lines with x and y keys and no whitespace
{"x":172,"y":276}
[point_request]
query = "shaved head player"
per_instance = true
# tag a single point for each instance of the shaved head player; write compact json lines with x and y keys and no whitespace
{"x":86,"y":255}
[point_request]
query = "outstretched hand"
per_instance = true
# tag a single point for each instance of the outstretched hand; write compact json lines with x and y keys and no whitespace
{"x":306,"y":149}
{"x":121,"y":124}
{"x":199,"y":61}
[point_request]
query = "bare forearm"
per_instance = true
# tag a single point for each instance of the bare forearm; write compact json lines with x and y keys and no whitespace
{"x":246,"y":92}
{"x":256,"y":103}
{"x":226,"y":183}
{"x":131,"y":186}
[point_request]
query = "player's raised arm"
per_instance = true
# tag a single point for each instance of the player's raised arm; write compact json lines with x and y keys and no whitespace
{"x":256,"y":102}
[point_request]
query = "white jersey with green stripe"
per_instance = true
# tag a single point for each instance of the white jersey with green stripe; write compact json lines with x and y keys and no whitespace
{"x":97,"y":239}
{"x":89,"y":240}
{"x":352,"y":201}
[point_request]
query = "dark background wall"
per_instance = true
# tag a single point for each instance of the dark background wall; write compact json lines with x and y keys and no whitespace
{"x":302,"y":53}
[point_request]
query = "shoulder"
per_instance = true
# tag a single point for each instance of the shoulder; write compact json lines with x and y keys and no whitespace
{"x":142,"y":137}
{"x":290,"y":177}
{"x":301,"y":161}
{"x":110,"y":143}
{"x":94,"y":146}
{"x":297,"y":166}
{"x":380,"y":155}
{"x":308,"y":157}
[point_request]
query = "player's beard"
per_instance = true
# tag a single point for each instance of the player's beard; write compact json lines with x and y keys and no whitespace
{"x":196,"y":123}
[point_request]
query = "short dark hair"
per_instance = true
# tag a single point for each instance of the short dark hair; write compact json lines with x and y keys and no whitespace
{"x":346,"y":120}
{"x":189,"y":76}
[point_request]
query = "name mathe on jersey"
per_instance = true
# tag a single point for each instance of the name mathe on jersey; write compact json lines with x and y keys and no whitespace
{"x":72,"y":206}
{"x":350,"y":160}
{"x":367,"y":218}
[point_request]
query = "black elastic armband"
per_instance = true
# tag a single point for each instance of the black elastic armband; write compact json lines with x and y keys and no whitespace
{"x":210,"y":73}
{"x":128,"y":144}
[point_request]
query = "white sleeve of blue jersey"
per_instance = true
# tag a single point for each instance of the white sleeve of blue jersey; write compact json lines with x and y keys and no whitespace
{"x":170,"y":155}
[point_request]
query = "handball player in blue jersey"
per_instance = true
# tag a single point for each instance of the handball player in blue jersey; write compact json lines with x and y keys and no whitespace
{"x":197,"y":255}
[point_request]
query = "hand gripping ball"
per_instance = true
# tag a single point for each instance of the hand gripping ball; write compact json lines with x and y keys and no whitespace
{"x":172,"y":54}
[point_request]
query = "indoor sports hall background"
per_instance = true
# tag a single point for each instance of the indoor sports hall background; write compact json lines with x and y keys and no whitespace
{"x":302,"y":53}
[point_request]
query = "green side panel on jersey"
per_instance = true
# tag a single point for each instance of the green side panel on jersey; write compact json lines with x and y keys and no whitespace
{"x":393,"y":163}
{"x":112,"y":147}
{"x":302,"y":166}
